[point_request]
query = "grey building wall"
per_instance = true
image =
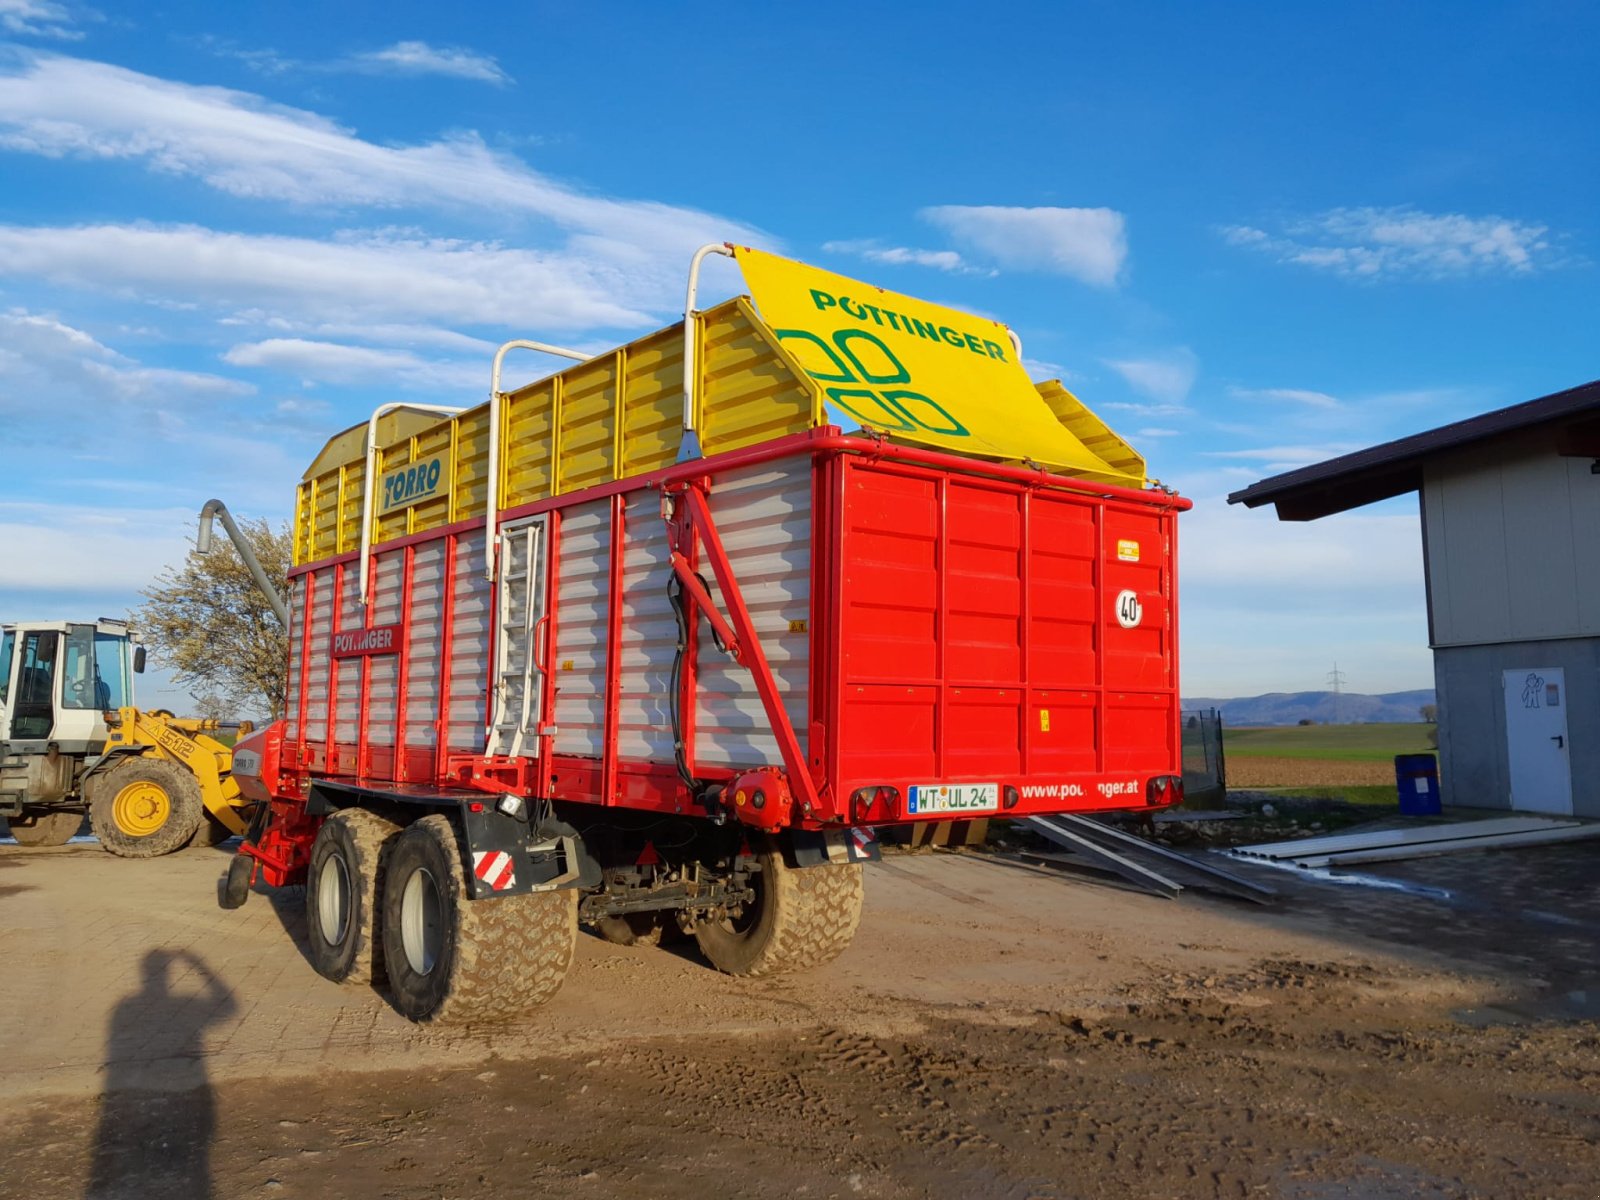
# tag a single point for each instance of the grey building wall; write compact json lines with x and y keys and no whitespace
{"x":1473,"y":763}
{"x":1511,"y":535}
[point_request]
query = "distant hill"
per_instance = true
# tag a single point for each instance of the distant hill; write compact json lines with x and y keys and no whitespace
{"x":1290,"y":708}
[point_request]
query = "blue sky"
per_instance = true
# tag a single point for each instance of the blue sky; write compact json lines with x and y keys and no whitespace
{"x":1250,"y":236}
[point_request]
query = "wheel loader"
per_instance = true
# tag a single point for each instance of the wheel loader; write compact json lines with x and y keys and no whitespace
{"x":72,"y":743}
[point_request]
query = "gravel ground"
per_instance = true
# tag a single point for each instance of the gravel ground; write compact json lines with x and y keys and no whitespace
{"x":994,"y":1031}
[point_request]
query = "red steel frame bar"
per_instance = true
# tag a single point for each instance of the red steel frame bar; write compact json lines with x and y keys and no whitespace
{"x":613,"y":697}
{"x":699,"y":515}
{"x":402,"y":689}
{"x":446,"y":658}
{"x":330,"y":757}
{"x":552,"y":619}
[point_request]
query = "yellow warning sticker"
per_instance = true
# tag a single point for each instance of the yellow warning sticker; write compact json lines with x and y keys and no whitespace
{"x":1127,"y":551}
{"x":1044,"y":720}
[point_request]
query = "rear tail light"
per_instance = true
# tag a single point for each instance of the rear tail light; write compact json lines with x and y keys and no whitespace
{"x":1164,"y":790}
{"x":871,"y":804}
{"x":1010,"y":797}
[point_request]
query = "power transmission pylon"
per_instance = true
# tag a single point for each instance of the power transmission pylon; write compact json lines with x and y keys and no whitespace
{"x":1336,"y":681}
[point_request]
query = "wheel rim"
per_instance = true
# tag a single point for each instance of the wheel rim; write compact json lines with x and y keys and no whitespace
{"x":741,"y":921}
{"x":421,"y":927}
{"x":333,"y":899}
{"x":141,"y":808}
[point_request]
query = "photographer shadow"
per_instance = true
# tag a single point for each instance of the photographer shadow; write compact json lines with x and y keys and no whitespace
{"x":158,"y":1113}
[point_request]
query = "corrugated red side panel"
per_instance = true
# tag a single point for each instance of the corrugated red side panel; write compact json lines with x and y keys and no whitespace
{"x":979,"y":638}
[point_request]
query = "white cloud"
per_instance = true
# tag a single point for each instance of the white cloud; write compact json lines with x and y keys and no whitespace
{"x":1144,"y":410}
{"x":1166,"y":378}
{"x":44,"y":363}
{"x":1088,"y":244}
{"x":943,"y":260}
{"x":1372,"y":243}
{"x":239,"y":143}
{"x":388,"y":277}
{"x":1285,"y":458}
{"x":419,"y":58}
{"x":38,"y":18}
{"x":1223,"y":545}
{"x":91,"y":550}
{"x":335,"y":362}
{"x":1293,"y":395}
{"x":391,"y":334}
{"x":1160,"y":433}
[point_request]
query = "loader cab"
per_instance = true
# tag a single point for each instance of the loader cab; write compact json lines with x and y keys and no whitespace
{"x":59,"y":678}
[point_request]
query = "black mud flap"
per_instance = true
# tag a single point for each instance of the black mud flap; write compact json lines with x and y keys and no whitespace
{"x":819,"y":849}
{"x":507,"y":858}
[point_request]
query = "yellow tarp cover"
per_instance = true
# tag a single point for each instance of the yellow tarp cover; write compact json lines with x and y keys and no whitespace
{"x":918,"y":371}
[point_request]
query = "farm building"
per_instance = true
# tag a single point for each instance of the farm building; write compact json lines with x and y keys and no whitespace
{"x":1510,"y":504}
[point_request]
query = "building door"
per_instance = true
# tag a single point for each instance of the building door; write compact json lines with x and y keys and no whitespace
{"x":1536,"y":740}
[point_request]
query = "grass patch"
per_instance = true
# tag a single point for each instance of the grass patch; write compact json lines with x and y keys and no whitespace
{"x":1344,"y":743}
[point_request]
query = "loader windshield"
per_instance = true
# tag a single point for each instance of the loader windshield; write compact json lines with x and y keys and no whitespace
{"x":96,"y":670}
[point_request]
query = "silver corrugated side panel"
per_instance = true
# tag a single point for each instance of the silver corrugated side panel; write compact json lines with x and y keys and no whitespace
{"x":316,"y":685}
{"x":383,"y":670}
{"x":347,"y":671}
{"x":297,"y":600}
{"x":764,"y":516}
{"x":581,"y":613}
{"x":649,"y":637}
{"x":427,"y":638}
{"x":469,"y":646}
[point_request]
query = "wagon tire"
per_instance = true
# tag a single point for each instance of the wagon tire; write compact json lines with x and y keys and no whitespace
{"x":344,"y":895}
{"x":46,"y":828}
{"x":799,"y":919}
{"x":145,"y":807}
{"x":455,"y":960}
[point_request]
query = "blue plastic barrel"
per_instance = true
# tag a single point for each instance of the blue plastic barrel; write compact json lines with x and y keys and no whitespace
{"x":1416,"y":776}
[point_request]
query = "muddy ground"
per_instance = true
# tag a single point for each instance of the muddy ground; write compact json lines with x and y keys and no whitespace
{"x":994,"y":1031}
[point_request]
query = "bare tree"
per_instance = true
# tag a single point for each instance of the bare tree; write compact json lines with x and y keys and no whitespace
{"x":209,"y":622}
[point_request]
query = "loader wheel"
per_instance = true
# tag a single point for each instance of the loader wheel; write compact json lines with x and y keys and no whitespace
{"x":799,"y":919}
{"x":46,"y":828}
{"x":451,"y":959}
{"x":146,"y":807}
{"x":210,"y":832}
{"x":344,"y":894}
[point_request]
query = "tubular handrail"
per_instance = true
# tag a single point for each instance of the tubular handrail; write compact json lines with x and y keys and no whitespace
{"x":689,"y":447}
{"x":370,"y":479}
{"x":492,"y":501}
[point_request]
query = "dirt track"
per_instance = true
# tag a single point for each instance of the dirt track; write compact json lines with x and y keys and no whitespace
{"x":993,"y":1032}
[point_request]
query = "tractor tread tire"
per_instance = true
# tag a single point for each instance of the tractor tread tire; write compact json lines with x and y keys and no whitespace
{"x":807,"y":918}
{"x":187,"y":809}
{"x":502,"y":957}
{"x":368,"y":839}
{"x":46,"y":828}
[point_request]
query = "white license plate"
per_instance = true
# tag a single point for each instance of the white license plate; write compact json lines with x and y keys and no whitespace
{"x":953,"y":798}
